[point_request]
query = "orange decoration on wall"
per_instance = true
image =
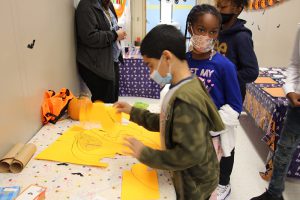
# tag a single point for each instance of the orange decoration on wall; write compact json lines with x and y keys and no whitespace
{"x":256,"y":4}
{"x":120,"y":9}
{"x":270,"y":2}
{"x":263,"y":4}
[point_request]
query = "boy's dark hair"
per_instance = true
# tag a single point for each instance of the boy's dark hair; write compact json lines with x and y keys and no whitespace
{"x":163,"y":37}
{"x":199,"y":10}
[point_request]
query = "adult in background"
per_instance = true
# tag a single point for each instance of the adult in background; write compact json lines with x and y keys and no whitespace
{"x":98,"y":48}
{"x":290,"y":134}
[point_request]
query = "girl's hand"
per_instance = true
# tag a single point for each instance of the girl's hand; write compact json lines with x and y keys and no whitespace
{"x":123,"y":107}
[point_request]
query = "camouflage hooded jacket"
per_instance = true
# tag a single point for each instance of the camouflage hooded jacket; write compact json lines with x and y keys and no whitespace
{"x":189,"y":152}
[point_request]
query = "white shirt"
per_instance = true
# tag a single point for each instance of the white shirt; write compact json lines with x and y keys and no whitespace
{"x":293,"y":72}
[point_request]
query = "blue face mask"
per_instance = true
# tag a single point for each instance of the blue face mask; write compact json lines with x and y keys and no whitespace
{"x":162,"y":81}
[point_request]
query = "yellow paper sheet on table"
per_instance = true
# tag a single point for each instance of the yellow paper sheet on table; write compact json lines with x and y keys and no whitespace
{"x":106,"y":116}
{"x":87,"y":147}
{"x":140,"y":183}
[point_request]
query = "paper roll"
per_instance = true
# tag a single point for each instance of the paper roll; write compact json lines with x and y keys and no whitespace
{"x":22,"y":158}
{"x":7,"y":160}
{"x":17,"y":158}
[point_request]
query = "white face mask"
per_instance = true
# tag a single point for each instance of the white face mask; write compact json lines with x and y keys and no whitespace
{"x":201,"y":43}
{"x":162,"y":81}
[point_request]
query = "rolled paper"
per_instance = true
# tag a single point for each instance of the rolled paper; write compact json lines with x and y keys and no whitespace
{"x":22,"y":158}
{"x":7,"y":160}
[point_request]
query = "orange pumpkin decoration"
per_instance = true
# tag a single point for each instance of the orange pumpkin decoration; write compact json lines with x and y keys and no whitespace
{"x":76,"y":104}
{"x":263,"y":4}
{"x":270,"y":2}
{"x":256,"y":4}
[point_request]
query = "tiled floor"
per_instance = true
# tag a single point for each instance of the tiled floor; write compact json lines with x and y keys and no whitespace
{"x":249,"y":160}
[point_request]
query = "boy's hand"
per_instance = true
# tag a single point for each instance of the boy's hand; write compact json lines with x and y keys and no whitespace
{"x":294,"y":98}
{"x":135,"y":146}
{"x":123,"y":107}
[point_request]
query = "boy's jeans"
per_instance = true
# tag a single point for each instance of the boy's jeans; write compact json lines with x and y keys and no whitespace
{"x":287,"y":144}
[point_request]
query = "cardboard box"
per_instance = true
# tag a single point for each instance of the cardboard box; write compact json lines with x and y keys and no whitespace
{"x":33,"y":192}
{"x":9,"y":193}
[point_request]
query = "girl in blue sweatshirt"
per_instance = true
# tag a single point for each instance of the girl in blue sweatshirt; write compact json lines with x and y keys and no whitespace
{"x":217,"y":72}
{"x":235,"y":42}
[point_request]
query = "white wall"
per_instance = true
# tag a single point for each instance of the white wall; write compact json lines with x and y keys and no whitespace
{"x":166,"y":11}
{"x":125,"y":22}
{"x":138,"y":19}
{"x":273,"y":45}
{"x":26,"y":73}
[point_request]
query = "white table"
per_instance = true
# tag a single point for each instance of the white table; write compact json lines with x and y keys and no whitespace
{"x":95,"y":184}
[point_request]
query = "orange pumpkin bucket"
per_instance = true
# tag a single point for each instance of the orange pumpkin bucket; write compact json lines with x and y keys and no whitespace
{"x":77,"y":104}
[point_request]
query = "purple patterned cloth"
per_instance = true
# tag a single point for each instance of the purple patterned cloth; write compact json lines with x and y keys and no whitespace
{"x":269,"y":113}
{"x":135,"y":80}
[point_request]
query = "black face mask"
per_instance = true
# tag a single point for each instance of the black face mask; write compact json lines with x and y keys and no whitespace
{"x":226,"y":17}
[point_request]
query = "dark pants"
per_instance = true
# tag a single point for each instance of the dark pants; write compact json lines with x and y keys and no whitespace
{"x":242,"y":89}
{"x":286,"y":146}
{"x":103,"y":90}
{"x":226,"y":165}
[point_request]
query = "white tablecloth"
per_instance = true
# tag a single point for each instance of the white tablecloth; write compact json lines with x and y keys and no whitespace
{"x":95,"y":184}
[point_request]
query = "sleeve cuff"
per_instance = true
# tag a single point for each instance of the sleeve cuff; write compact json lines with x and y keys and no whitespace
{"x":135,"y":113}
{"x":215,"y":134}
{"x":288,"y":88}
{"x":144,"y":155}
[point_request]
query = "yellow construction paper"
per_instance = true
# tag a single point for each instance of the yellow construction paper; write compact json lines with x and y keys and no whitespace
{"x":125,"y":116}
{"x":106,"y":116}
{"x":140,"y":183}
{"x":87,"y":147}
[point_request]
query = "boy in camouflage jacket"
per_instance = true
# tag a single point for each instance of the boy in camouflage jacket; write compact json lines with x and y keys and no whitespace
{"x":187,"y":115}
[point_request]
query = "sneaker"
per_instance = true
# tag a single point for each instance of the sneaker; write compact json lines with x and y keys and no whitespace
{"x":266,"y":196}
{"x":223,"y":192}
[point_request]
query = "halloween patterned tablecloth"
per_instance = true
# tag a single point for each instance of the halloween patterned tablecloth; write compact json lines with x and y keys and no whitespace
{"x":269,"y":114}
{"x":135,"y":80}
{"x":77,"y":182}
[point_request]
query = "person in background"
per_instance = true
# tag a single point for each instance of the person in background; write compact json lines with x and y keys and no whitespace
{"x":187,"y":115}
{"x":220,"y":77}
{"x":98,"y":48}
{"x":235,"y":42}
{"x":290,"y":135}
